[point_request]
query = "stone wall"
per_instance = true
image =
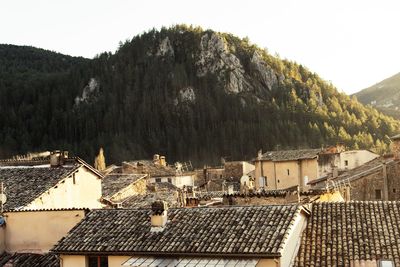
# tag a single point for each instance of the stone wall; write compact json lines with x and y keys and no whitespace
{"x":393,"y":173}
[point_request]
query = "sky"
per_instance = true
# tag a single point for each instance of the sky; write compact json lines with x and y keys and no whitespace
{"x":351,"y":43}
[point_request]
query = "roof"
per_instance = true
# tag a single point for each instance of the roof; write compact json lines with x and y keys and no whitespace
{"x":149,"y":167}
{"x":361,"y":171}
{"x":145,"y":201}
{"x":339,"y":233}
{"x":286,"y":155}
{"x":23,"y":184}
{"x":25,"y":180}
{"x":234,"y":231}
{"x":29,"y":260}
{"x":113,"y":183}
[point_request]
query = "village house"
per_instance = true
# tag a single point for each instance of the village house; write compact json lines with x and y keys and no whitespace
{"x":377,"y":179}
{"x":26,"y":236}
{"x":359,"y":234}
{"x":248,"y":236}
{"x":116,"y":187}
{"x":158,"y":171}
{"x":54,"y":183}
{"x":286,"y":168}
{"x":219,"y":178}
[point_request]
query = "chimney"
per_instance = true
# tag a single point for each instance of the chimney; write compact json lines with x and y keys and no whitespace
{"x":58,"y":157}
{"x":396,"y":146}
{"x":156,"y":159}
{"x":162,"y":161}
{"x":159,"y":215}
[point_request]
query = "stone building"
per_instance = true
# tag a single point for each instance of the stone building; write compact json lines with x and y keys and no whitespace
{"x":377,"y":179}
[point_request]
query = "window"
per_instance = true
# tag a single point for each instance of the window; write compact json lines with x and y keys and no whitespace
{"x":278,"y":181}
{"x":170,"y":180}
{"x":394,"y":190}
{"x":346,"y":163}
{"x":386,"y":263}
{"x":158,"y":180}
{"x":288,"y":172}
{"x":73,"y":178}
{"x":378,"y":194}
{"x":97,"y":261}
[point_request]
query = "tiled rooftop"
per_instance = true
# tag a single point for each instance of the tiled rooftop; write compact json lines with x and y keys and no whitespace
{"x":113,"y":183}
{"x":149,"y":167}
{"x":23,"y":184}
{"x":29,"y":260}
{"x":257,"y":230}
{"x":342,"y":234}
{"x":285,"y":155}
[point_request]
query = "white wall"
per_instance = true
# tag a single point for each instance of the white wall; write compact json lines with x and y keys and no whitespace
{"x":178,"y":181}
{"x":83,"y":191}
{"x":292,"y":243}
{"x":355,"y":158}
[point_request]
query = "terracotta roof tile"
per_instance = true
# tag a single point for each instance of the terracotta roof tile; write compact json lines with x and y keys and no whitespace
{"x":338,"y":234}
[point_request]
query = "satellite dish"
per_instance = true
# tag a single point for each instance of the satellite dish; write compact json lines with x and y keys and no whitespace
{"x":3,"y":198}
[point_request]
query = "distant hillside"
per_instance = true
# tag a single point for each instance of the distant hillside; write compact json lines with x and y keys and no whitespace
{"x":384,"y":95}
{"x":184,"y":92}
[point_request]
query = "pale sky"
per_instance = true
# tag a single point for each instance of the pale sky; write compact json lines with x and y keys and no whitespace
{"x":352,"y":43}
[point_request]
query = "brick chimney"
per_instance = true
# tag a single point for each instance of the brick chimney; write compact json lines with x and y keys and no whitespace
{"x":396,"y":146}
{"x":159,"y":216}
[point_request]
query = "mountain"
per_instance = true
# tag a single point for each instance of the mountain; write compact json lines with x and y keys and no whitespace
{"x":385,"y":96}
{"x":184,"y":92}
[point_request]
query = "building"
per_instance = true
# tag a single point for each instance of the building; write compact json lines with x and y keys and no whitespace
{"x":351,"y":234}
{"x":58,"y":182}
{"x":248,"y":236}
{"x":116,"y":187}
{"x":26,"y":236}
{"x":286,"y":168}
{"x":158,"y":171}
{"x":374,"y":180}
{"x":219,"y":178}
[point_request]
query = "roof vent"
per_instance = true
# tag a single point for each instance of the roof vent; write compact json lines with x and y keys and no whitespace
{"x":159,"y":215}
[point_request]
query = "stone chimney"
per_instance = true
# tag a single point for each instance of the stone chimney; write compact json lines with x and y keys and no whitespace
{"x":159,"y":216}
{"x":57,"y":158}
{"x":396,"y":146}
{"x":156,"y":159}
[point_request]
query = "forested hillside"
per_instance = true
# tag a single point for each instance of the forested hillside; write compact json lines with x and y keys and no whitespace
{"x":184,"y":92}
{"x":385,"y":96}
